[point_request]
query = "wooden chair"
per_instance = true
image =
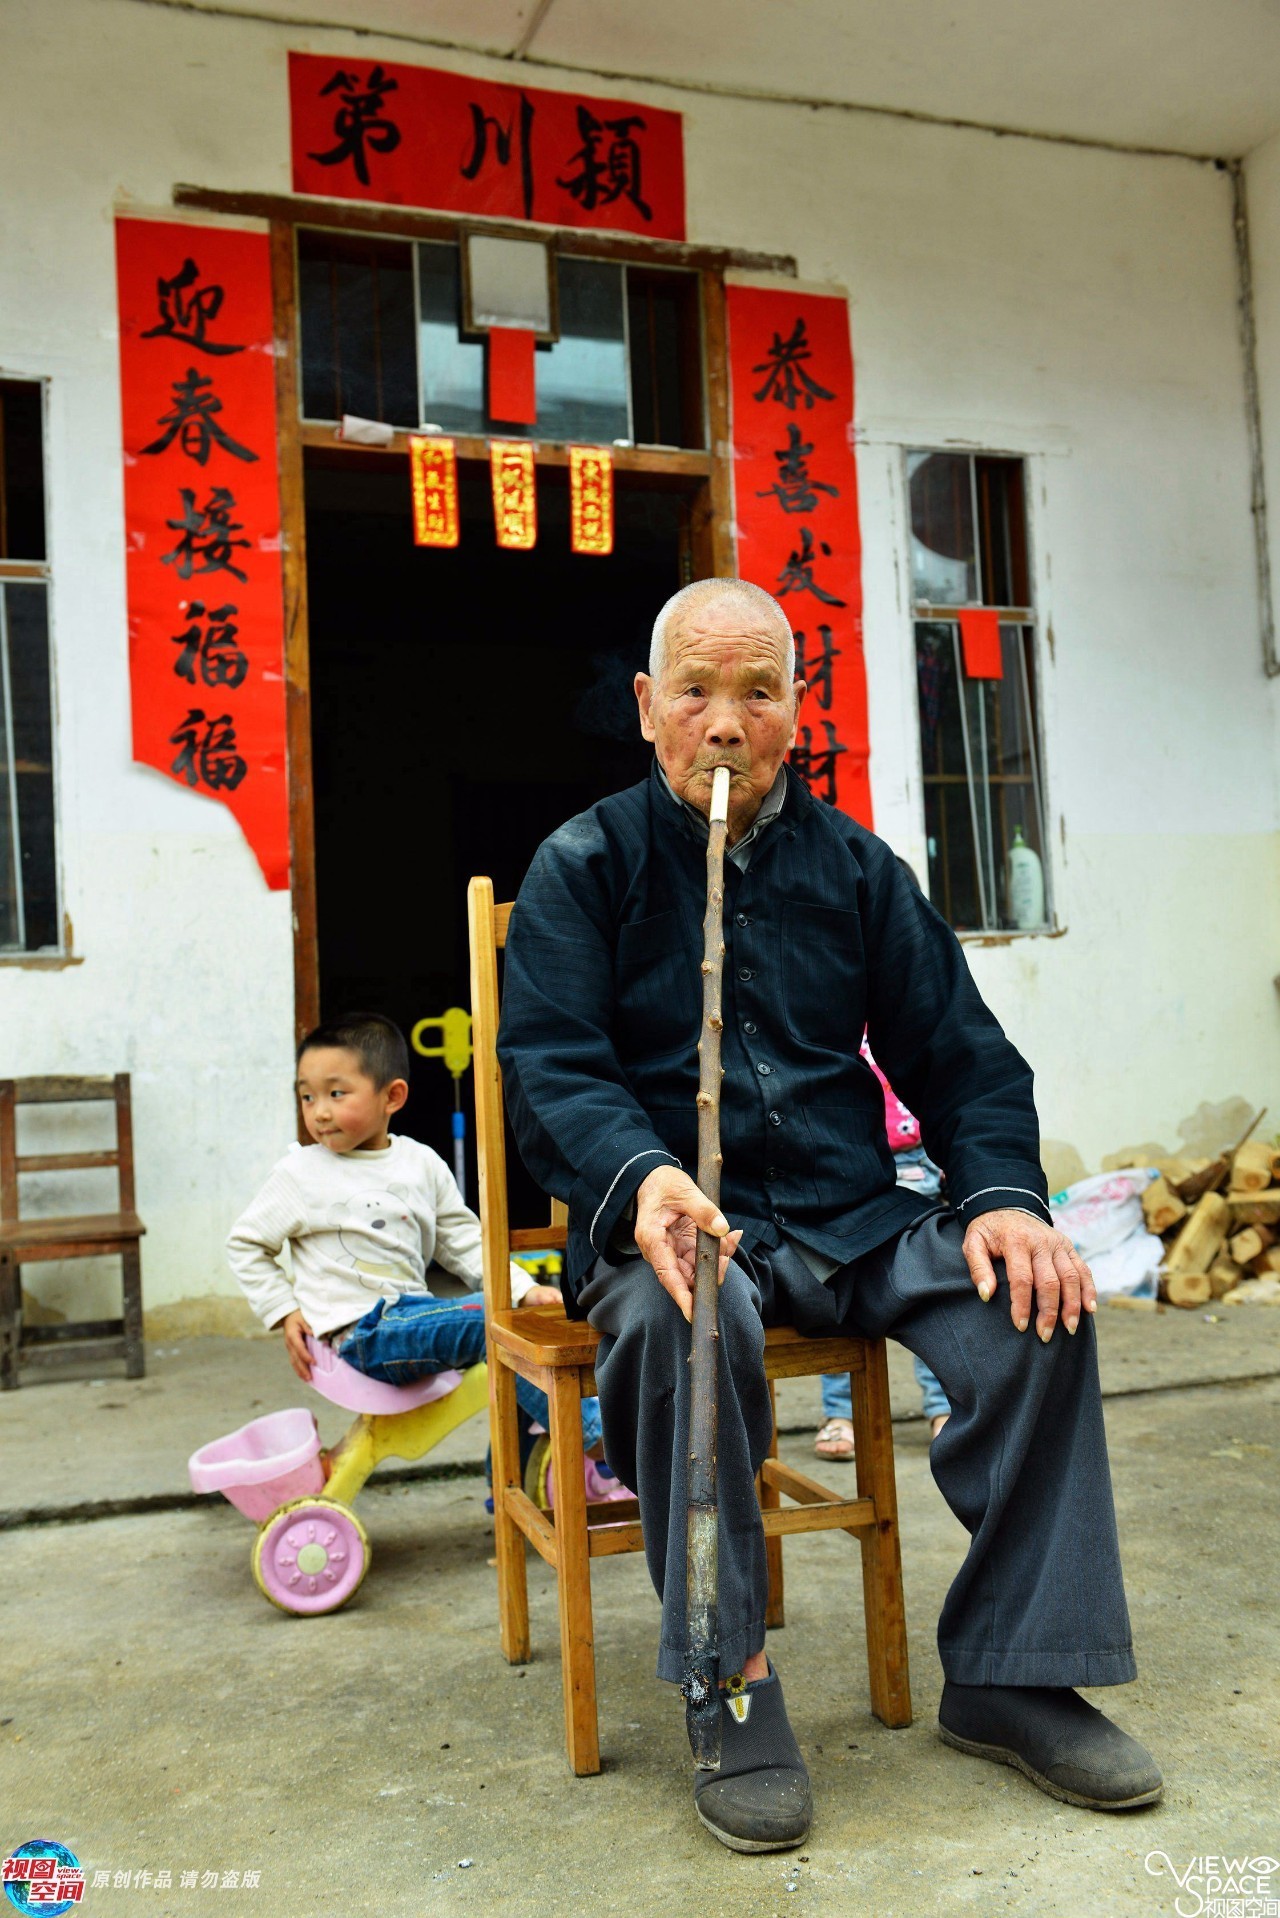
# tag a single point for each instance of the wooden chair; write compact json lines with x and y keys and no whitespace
{"x":557,"y":1353}
{"x":89,"y":1236}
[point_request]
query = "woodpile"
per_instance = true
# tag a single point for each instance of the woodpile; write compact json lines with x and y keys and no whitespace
{"x":1220,"y":1222}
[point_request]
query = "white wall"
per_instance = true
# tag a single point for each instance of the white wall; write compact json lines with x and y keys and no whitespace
{"x":1074,"y":305}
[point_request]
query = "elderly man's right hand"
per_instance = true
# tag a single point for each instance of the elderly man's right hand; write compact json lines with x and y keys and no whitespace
{"x":669,"y":1210}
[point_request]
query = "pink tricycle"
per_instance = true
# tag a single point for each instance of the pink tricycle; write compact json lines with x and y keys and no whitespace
{"x":312,"y":1552}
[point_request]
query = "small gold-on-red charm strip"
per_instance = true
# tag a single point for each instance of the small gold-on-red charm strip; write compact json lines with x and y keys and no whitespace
{"x":515,"y":499}
{"x":591,"y":499}
{"x":433,"y":477}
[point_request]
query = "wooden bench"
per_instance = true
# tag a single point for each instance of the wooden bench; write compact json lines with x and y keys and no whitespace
{"x":82,"y":1236}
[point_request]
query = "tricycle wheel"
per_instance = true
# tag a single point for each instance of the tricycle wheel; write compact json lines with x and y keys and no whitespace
{"x":311,"y":1556}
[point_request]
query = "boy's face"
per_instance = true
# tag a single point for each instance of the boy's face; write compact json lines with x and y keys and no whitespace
{"x":342,"y":1109}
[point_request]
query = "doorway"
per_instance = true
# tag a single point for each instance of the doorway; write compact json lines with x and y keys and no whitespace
{"x":464,"y":704}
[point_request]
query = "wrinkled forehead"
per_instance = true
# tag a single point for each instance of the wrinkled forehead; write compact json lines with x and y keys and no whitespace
{"x":728,"y":631}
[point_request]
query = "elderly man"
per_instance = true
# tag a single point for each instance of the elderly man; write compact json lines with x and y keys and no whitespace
{"x":825,"y":937}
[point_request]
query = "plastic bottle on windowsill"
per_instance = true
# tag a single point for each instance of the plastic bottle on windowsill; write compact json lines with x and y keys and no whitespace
{"x":1026,"y":884}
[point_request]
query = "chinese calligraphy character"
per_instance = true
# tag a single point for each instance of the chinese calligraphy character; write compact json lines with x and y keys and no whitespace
{"x":208,"y":1879}
{"x":820,"y":766}
{"x":189,"y":1880}
{"x":164,"y":1881}
{"x":230,"y":1881}
{"x":123,"y":1880}
{"x":816,"y":674}
{"x":787,"y":379}
{"x":210,"y":759}
{"x":184,"y":313}
{"x":212,"y":648}
{"x":797,"y":575}
{"x":796,"y":492}
{"x":481,"y":122}
{"x":358,"y":123}
{"x":205,"y":531}
{"x":251,"y":1881}
{"x":100,"y":1879}
{"x":599,"y":182}
{"x":194,"y":407}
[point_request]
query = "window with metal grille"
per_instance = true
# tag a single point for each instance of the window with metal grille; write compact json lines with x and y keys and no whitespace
{"x":383,"y":337}
{"x":28,"y":853}
{"x":979,"y":733}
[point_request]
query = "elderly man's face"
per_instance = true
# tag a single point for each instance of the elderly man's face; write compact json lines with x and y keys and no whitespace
{"x":723,"y":699}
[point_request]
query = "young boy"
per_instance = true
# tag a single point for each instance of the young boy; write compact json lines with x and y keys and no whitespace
{"x":363,"y":1212}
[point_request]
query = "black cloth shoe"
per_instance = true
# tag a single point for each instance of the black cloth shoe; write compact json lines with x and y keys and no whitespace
{"x":759,"y":1800}
{"x":1058,"y":1740}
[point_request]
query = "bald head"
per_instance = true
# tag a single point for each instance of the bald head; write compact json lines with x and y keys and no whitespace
{"x":698,"y":598}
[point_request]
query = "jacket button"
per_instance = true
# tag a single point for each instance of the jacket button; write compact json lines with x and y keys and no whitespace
{"x":779,"y":1218}
{"x":771,"y":1172}
{"x":764,"y":1070}
{"x":745,"y":972}
{"x":740,"y":919}
{"x":748,"y":1025}
{"x":775,"y":1118}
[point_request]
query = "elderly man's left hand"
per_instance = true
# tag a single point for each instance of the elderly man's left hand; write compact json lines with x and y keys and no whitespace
{"x":1037,"y":1259}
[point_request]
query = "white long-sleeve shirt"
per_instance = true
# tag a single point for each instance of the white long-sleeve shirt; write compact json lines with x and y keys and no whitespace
{"x":361,"y":1226}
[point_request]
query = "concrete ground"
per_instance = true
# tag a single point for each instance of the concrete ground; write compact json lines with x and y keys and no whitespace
{"x":157,"y":1715}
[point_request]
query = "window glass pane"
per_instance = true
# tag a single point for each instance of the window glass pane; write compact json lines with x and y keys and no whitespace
{"x":1002,"y":532}
{"x":943,"y":565}
{"x":582,"y":379}
{"x":665,"y":343}
{"x":21,"y":470}
{"x":452,"y":369}
{"x":357,"y":326}
{"x":30,"y":730}
{"x":941,"y":734}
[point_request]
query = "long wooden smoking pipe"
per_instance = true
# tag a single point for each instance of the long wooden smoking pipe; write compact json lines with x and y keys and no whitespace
{"x":702,"y":1657}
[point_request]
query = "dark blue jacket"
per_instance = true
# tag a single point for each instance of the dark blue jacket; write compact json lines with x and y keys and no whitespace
{"x":824,"y":935}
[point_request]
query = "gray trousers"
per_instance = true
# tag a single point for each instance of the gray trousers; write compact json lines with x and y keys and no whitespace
{"x":1022,"y":1462}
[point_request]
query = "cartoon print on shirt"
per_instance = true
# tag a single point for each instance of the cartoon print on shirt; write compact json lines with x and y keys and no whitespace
{"x":380,"y":1236}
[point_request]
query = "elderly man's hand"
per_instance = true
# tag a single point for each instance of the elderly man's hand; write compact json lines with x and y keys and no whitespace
{"x":669,"y":1210}
{"x":1037,"y":1258}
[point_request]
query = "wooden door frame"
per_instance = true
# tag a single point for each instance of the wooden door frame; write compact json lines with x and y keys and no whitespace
{"x":711,"y":524}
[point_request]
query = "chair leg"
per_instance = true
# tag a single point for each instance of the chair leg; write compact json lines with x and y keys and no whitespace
{"x":135,"y":1363}
{"x":10,"y":1321}
{"x":881,"y":1556}
{"x":770,"y":1497}
{"x":504,"y":1447}
{"x":573,"y":1575}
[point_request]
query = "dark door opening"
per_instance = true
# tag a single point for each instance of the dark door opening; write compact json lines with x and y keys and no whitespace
{"x":463,"y":705}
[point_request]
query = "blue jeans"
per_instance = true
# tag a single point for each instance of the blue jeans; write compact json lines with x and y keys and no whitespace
{"x":407,"y":1338}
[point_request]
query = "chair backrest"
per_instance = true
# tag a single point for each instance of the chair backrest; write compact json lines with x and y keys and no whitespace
{"x":63,"y":1090}
{"x":487,"y":924}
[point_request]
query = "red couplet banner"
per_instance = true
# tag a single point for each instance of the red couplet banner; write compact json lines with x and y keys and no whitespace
{"x":416,"y":136}
{"x":796,"y":512}
{"x":202,"y":520}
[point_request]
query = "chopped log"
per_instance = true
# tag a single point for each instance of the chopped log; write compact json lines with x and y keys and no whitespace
{"x":1175,"y":1170}
{"x":1250,"y":1242}
{"x":1255,"y":1208}
{"x":1185,"y":1289}
{"x":1252,"y":1167}
{"x":1207,"y":1176}
{"x":1268,"y":1261}
{"x":1161,"y":1207}
{"x":1224,"y":1274}
{"x":1200,"y":1240}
